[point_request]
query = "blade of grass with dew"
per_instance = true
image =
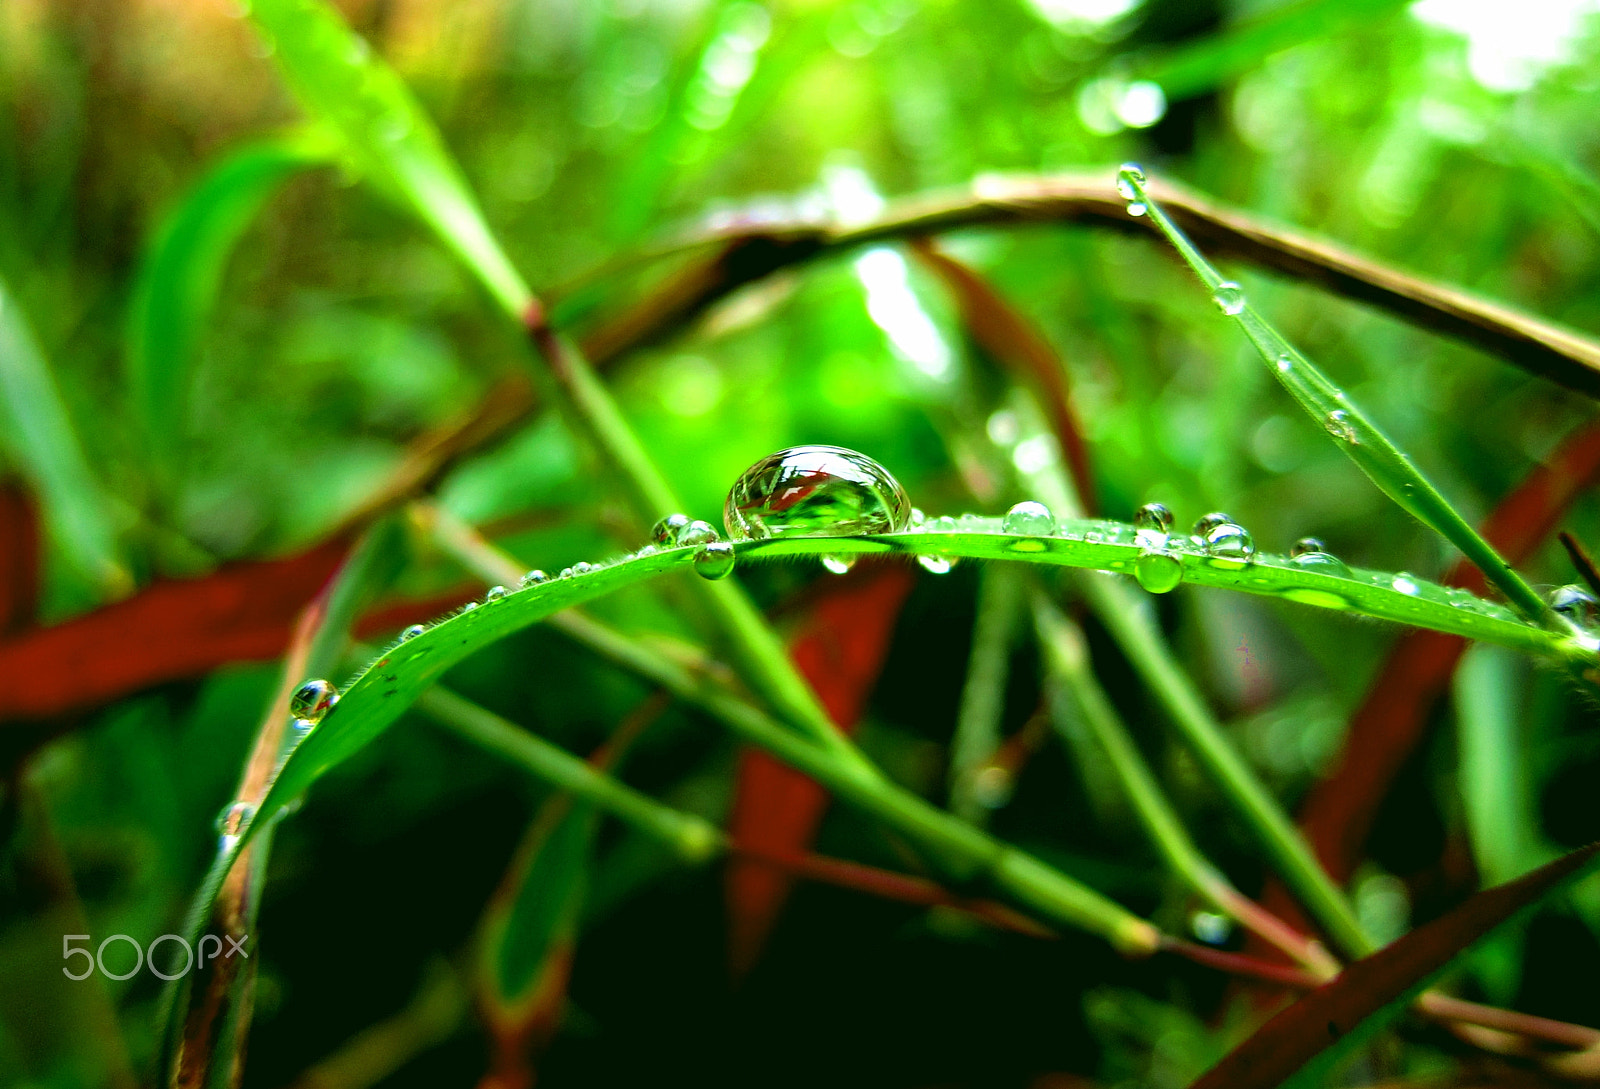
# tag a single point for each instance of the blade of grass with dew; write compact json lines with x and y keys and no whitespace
{"x":39,"y":435}
{"x":193,"y":1036}
{"x":181,"y":271}
{"x":1361,"y":440}
{"x":387,"y":136}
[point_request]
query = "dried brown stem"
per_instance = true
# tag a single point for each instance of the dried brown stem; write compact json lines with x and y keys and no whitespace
{"x":1581,"y":561}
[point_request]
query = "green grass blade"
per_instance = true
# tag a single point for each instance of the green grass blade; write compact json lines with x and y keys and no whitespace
{"x":39,"y":436}
{"x":1361,"y":439}
{"x":977,"y":733}
{"x":182,"y":270}
{"x":387,"y":136}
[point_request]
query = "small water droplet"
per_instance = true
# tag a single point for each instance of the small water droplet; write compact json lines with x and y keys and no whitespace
{"x":233,"y":817}
{"x":918,"y":519}
{"x":698,"y":533}
{"x":1403,"y":583}
{"x":495,"y":594}
{"x":299,"y":730}
{"x":1152,"y":525}
{"x":1029,"y":518}
{"x":1325,"y":563}
{"x":1305,"y":545}
{"x":665,"y":532}
{"x":1208,"y":522}
{"x":1341,"y":427}
{"x":1210,"y":927}
{"x":838,"y":565}
{"x":412,"y":632}
{"x":312,"y":700}
{"x":1158,"y":570}
{"x":714,"y":560}
{"x":469,"y":606}
{"x":566,"y":573}
{"x":943,"y":524}
{"x":1577,"y":605}
{"x":1129,"y":177}
{"x":1285,"y":364}
{"x":1230,"y":545}
{"x":815,"y":491}
{"x":1229,"y":297}
{"x":1137,"y":207}
{"x":936,"y":565}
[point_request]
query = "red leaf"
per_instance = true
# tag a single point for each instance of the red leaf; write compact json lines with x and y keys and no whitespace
{"x":1302,"y":1031}
{"x":840,"y":650}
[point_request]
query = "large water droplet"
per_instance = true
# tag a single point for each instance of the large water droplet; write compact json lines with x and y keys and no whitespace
{"x":312,"y":700}
{"x":936,"y":565}
{"x":815,"y":491}
{"x":714,"y":560}
{"x":1229,"y":297}
{"x":1324,"y":563}
{"x":1158,"y":571}
{"x":1029,"y":518}
{"x":412,"y":632}
{"x":1306,"y":545}
{"x":1152,"y":524}
{"x":698,"y":533}
{"x":1340,"y":426}
{"x":1577,"y":605}
{"x":1230,"y":545}
{"x":838,"y":565}
{"x":534,"y":578}
{"x":665,"y":532}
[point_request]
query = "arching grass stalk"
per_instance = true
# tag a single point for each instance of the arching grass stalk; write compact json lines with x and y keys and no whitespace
{"x":1066,"y":658}
{"x":983,"y":694}
{"x":1361,"y":439}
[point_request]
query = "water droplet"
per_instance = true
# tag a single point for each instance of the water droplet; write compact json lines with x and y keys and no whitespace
{"x":918,"y":519}
{"x":566,"y":573}
{"x":1324,"y":563}
{"x":936,"y":565}
{"x":412,"y":632}
{"x":1577,"y":605}
{"x":1129,"y":177}
{"x":1285,"y":364}
{"x":1137,"y":207}
{"x":1305,"y":545}
{"x":665,"y":532}
{"x":838,"y":565}
{"x":299,"y":730}
{"x":1153,"y":516}
{"x":815,"y":491}
{"x":1210,"y":927}
{"x":233,"y":817}
{"x":312,"y":700}
{"x":1158,"y":571}
{"x":495,"y":594}
{"x":534,"y":578}
{"x":1029,"y":518}
{"x":469,"y":606}
{"x":698,"y":533}
{"x":1208,"y":522}
{"x":1230,"y":545}
{"x":943,"y":524}
{"x":1229,"y":297}
{"x":1403,"y":583}
{"x":714,"y":560}
{"x":1340,"y":426}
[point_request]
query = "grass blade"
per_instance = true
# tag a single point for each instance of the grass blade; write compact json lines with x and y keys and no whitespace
{"x":1360,"y":439}
{"x":983,"y":694}
{"x":182,"y":270}
{"x":387,"y":135}
{"x":1325,"y":1024}
{"x":39,"y":435}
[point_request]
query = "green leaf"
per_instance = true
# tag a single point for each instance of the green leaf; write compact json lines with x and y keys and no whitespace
{"x":1328,"y":1023}
{"x":387,"y":136}
{"x":181,"y":272}
{"x":39,"y":436}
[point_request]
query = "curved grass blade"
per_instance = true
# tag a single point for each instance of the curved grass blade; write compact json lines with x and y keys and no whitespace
{"x":387,"y":135}
{"x":1360,"y":439}
{"x":39,"y":435}
{"x":181,"y":271}
{"x":1323,"y":1026}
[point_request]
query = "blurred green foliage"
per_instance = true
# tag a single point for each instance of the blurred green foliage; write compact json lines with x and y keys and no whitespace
{"x":300,"y":360}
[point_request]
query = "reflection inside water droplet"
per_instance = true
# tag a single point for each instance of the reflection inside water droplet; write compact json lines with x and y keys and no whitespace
{"x":815,"y":491}
{"x":312,"y":700}
{"x":1577,"y":605}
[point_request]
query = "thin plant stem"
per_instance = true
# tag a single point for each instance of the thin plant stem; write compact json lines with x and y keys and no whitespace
{"x":983,"y":695}
{"x":1357,"y":435}
{"x":1066,"y":656}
